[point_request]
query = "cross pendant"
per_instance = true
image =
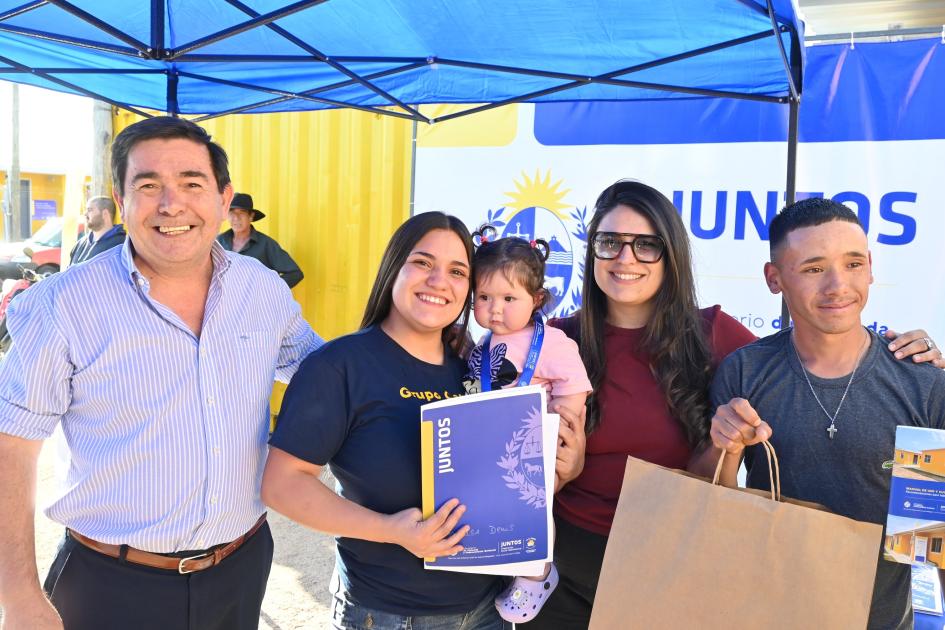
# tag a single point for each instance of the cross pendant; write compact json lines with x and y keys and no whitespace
{"x":831,"y":430}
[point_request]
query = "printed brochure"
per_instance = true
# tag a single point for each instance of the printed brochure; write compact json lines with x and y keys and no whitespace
{"x":915,"y":526}
{"x":495,"y":452}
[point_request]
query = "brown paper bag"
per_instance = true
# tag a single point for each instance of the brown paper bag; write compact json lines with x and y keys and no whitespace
{"x":685,"y":553}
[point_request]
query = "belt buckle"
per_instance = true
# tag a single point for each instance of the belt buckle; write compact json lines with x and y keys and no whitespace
{"x":180,"y":565}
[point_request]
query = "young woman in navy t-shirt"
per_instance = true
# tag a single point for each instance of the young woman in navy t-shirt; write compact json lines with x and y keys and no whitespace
{"x":355,"y":405}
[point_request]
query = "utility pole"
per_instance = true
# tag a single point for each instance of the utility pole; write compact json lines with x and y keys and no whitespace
{"x":13,"y":179}
{"x":101,"y":149}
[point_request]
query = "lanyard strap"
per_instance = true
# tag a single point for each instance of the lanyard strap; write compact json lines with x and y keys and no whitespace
{"x":528,"y":370}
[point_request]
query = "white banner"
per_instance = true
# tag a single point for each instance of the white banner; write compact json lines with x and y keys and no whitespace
{"x":726,"y":194}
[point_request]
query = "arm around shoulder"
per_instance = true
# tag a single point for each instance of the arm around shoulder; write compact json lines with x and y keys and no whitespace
{"x":726,"y":334}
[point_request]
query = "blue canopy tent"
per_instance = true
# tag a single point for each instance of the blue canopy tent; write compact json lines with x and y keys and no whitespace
{"x":206,"y":58}
{"x":226,"y":56}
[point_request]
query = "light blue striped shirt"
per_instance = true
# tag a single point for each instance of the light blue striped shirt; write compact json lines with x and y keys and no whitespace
{"x":166,"y":431}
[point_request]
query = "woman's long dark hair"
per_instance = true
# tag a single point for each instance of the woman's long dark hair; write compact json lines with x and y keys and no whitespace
{"x":674,"y":337}
{"x":398,"y":248}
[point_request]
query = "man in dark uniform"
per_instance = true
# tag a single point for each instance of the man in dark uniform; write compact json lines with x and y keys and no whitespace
{"x":243,"y":238}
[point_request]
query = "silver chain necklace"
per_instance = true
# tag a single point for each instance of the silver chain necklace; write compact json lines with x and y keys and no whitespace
{"x":832,"y":429}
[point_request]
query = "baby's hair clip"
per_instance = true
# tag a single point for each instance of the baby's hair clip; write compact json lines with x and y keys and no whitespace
{"x":541,"y":247}
{"x":485,"y":234}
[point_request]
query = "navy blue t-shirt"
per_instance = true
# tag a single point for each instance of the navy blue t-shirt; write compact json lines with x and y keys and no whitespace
{"x":354,"y":404}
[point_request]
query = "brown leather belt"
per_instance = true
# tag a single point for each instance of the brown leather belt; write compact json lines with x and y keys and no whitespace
{"x":190,"y":564}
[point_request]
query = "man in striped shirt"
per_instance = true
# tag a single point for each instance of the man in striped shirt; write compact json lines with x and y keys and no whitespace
{"x":165,"y":408}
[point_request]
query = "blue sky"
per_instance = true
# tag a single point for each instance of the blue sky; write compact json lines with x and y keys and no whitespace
{"x":916,"y":439}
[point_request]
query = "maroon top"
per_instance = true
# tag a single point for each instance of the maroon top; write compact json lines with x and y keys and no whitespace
{"x":634,"y":419}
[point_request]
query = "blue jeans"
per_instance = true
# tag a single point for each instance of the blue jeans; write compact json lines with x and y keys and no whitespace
{"x":348,"y":614}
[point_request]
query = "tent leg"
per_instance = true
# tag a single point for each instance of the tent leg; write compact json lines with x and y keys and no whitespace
{"x":791,"y":188}
{"x":413,"y":168}
{"x":173,"y":109}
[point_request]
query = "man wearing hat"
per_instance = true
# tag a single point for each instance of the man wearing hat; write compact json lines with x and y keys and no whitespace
{"x":243,"y":238}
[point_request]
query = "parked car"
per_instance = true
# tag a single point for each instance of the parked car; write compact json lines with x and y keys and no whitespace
{"x":46,"y":244}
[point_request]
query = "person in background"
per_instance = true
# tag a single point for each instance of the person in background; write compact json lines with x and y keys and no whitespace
{"x":244,"y":239}
{"x":101,"y":232}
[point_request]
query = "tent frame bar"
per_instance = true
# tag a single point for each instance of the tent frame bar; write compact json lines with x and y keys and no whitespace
{"x":72,"y":41}
{"x":575,"y":80}
{"x":291,"y":95}
{"x":157,"y":27}
{"x":72,"y":87}
{"x":106,"y":28}
{"x":324,"y":88}
{"x":83,"y":71}
{"x":242,"y":27}
{"x":157,"y":52}
{"x":25,"y":8}
{"x":414,"y":113}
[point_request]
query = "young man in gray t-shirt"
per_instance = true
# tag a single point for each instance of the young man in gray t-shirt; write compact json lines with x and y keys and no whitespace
{"x":827,"y":393}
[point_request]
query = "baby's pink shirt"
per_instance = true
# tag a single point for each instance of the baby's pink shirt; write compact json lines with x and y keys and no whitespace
{"x":559,"y":368}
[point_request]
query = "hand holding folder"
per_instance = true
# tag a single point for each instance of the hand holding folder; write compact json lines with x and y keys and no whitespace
{"x":431,"y":537}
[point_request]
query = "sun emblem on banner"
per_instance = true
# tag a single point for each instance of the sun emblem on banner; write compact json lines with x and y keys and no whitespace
{"x":537,"y":209}
{"x":523,"y":461}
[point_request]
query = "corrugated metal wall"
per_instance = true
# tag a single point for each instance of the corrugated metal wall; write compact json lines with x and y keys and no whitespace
{"x":334,"y":186}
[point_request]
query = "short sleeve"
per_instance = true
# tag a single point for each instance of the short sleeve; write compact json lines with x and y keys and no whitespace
{"x":937,"y":402}
{"x":561,"y":364}
{"x":36,"y":374}
{"x":726,"y":334}
{"x":726,"y":384}
{"x":298,"y":340}
{"x":315,"y":416}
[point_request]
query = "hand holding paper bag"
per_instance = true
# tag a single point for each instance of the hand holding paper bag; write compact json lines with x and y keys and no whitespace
{"x":736,"y":425}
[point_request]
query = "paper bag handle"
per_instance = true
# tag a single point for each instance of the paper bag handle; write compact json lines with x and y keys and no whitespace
{"x":774,"y":472}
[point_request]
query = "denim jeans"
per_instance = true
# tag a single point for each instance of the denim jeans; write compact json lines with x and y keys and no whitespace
{"x":348,"y":614}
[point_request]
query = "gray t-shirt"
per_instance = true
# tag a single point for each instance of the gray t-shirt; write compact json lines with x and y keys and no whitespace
{"x":844,"y":474}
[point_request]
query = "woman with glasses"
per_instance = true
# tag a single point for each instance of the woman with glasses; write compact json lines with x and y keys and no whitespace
{"x":650,"y":353}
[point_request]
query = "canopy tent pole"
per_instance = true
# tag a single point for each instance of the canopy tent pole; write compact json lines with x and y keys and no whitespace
{"x":173,"y":78}
{"x":792,"y":68}
{"x":157,"y":27}
{"x":791,"y":185}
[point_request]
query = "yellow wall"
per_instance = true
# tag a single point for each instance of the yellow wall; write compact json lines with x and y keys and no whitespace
{"x":905,"y":457}
{"x":43,"y":187}
{"x":937,"y":463}
{"x":904,"y":543}
{"x":334,"y":186}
